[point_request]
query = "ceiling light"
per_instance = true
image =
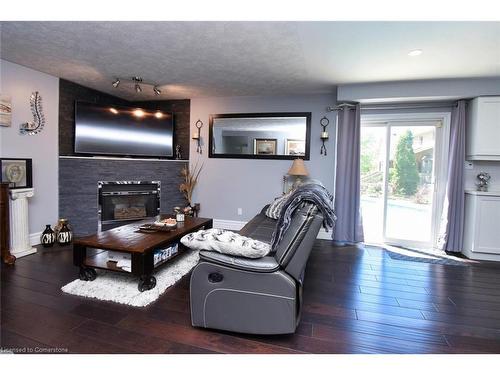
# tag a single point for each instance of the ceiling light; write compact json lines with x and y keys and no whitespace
{"x":156,"y":90}
{"x":139,"y":113}
{"x":113,"y":110}
{"x":138,"y":88}
{"x":415,"y":52}
{"x":116,"y":83}
{"x":158,"y":114}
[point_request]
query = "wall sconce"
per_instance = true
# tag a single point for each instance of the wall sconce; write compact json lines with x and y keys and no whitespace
{"x":324,"y":122}
{"x":197,"y":136}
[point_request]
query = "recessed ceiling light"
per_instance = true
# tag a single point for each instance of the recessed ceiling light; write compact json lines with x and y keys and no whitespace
{"x":113,"y":110}
{"x":139,"y":113}
{"x":158,"y":114}
{"x":415,"y":52}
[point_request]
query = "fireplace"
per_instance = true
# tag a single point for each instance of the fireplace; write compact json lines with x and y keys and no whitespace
{"x":121,"y":202}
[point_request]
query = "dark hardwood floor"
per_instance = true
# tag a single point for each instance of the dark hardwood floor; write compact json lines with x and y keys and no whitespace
{"x":355,"y":301}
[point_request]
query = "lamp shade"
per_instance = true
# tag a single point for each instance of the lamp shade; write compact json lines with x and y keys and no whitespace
{"x":298,"y":168}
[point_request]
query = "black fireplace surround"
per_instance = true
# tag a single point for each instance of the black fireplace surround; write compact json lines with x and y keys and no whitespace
{"x":121,"y":202}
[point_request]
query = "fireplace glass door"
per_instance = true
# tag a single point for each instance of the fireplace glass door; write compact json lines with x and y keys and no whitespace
{"x":120,"y":202}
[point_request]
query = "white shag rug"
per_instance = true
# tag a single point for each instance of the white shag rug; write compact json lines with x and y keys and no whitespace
{"x":122,"y":288}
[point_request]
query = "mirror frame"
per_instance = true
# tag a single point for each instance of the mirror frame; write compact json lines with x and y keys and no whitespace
{"x":307,"y":115}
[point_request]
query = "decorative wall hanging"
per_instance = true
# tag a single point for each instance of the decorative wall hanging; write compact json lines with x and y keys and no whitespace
{"x":5,"y":110}
{"x":35,"y":126}
{"x":197,"y":137}
{"x":324,"y":122}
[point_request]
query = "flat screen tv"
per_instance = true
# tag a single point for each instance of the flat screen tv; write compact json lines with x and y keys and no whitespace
{"x":122,"y":131}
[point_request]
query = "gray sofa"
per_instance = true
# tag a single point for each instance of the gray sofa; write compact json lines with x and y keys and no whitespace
{"x":257,"y":296}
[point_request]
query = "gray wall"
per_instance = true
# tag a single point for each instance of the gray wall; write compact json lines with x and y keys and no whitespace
{"x":19,"y":82}
{"x":228,"y":184}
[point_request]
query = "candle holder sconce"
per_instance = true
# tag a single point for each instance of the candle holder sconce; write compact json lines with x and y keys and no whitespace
{"x":197,"y":136}
{"x":324,"y":122}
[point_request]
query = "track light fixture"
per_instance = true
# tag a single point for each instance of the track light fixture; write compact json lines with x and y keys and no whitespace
{"x":137,"y":81}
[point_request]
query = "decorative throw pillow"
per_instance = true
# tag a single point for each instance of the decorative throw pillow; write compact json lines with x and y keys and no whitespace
{"x":226,"y":242}
{"x":274,"y":209}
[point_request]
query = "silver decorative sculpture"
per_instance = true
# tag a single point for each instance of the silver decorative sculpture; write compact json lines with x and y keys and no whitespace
{"x":35,"y":126}
{"x":484,"y":179}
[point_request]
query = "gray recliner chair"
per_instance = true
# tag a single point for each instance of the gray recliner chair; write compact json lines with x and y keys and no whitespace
{"x":257,"y":296}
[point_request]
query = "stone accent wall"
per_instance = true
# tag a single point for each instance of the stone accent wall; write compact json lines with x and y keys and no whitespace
{"x":78,"y":179}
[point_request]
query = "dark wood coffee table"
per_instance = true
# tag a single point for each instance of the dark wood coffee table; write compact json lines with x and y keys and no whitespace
{"x":91,"y":252}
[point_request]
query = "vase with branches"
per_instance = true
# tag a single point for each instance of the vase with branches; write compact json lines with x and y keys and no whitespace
{"x":189,"y":180}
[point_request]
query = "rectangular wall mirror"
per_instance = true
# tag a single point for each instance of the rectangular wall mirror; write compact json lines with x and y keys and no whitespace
{"x":260,"y":135}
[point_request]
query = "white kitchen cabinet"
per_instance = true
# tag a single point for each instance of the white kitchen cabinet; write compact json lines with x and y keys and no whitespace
{"x":482,"y":225}
{"x":483,"y":129}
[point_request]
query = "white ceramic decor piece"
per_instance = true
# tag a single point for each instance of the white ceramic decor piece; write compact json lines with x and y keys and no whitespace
{"x":19,"y":225}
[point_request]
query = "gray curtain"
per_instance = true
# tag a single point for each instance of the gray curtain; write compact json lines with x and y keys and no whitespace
{"x":452,"y":220}
{"x":349,"y":227}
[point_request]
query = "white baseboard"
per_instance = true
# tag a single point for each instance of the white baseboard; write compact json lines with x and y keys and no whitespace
{"x":35,"y":238}
{"x":237,"y":225}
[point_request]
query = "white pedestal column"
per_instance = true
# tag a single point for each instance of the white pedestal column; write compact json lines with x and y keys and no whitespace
{"x":19,"y":226}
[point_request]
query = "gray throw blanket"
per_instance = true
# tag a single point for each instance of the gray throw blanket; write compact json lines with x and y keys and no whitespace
{"x":313,"y":192}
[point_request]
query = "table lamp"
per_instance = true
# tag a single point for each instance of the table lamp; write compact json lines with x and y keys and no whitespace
{"x":298,"y":170}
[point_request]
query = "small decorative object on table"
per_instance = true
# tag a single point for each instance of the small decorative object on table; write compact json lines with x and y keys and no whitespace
{"x":484,"y":178}
{"x":188,"y":211}
{"x":48,"y":237}
{"x":35,"y":126}
{"x":196,"y":209}
{"x":178,"y":154}
{"x":179,"y":214}
{"x":165,"y":224}
{"x":64,"y":235}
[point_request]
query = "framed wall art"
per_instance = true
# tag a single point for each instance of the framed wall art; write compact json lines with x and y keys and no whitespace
{"x":265,"y":146}
{"x":295,"y":147}
{"x":16,"y":172}
{"x":5,"y":110}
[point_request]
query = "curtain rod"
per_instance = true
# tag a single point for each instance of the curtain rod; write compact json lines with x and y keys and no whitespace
{"x":392,"y":106}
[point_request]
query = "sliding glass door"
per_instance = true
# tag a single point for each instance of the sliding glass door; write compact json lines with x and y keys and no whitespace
{"x":401,"y":184}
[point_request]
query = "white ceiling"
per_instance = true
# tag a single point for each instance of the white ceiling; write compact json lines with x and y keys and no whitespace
{"x":199,"y":59}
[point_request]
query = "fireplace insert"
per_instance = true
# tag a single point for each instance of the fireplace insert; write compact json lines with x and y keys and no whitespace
{"x":121,"y":202}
